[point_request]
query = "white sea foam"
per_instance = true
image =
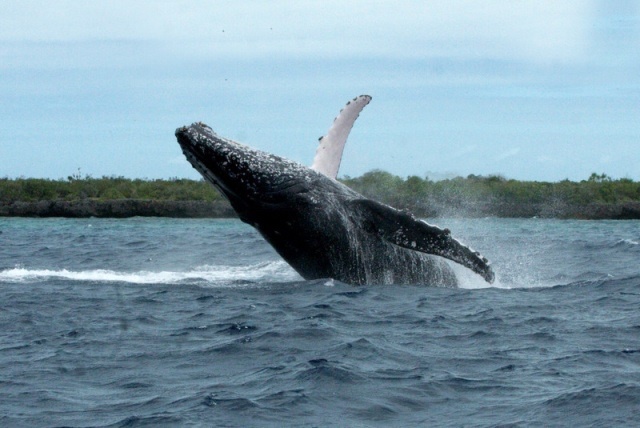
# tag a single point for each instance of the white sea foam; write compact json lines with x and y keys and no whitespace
{"x":627,"y":241}
{"x":270,"y":271}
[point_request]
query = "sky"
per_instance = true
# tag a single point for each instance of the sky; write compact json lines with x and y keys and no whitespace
{"x":540,"y":90}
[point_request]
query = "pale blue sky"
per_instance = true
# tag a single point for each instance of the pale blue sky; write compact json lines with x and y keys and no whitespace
{"x":535,"y":90}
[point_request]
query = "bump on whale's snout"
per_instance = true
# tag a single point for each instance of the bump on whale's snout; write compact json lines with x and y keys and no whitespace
{"x":205,"y":150}
{"x":188,"y":136}
{"x":186,"y":139}
{"x":198,"y":143}
{"x":180,"y":132}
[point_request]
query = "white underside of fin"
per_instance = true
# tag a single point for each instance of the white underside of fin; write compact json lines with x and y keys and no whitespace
{"x":329,"y":152}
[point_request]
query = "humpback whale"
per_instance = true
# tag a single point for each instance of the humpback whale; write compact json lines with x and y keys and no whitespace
{"x":321,"y":227}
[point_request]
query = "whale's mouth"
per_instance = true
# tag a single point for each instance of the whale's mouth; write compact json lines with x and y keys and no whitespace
{"x":206,"y":173}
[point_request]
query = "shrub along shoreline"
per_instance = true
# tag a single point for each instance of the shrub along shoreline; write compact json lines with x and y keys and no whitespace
{"x":598,"y":197}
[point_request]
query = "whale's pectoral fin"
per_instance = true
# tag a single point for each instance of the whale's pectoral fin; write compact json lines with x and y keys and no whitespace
{"x":404,"y":230}
{"x":329,"y":153}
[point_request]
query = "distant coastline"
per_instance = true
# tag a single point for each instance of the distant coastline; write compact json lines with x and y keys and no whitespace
{"x":124,"y":208}
{"x":597,"y":198}
{"x":118,"y":208}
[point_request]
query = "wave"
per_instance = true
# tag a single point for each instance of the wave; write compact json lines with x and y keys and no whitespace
{"x":277,"y":271}
{"x":266,"y":272}
{"x":220,"y":275}
{"x":626,"y":242}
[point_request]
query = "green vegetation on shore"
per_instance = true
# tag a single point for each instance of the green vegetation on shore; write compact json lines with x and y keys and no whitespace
{"x":492,"y":194}
{"x":103,"y":189}
{"x":599,"y":196}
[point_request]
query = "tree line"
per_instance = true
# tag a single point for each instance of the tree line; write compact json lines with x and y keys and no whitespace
{"x":414,"y":191}
{"x":75,"y":188}
{"x":472,"y":195}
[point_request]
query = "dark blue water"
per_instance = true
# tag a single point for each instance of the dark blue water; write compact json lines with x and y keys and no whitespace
{"x":161,"y":322}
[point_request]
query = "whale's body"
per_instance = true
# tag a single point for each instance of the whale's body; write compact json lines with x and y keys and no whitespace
{"x":322,"y":228}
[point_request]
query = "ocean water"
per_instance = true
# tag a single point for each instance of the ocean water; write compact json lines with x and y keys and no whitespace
{"x":165,"y":322}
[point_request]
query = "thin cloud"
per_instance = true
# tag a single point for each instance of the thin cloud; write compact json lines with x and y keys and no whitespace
{"x":507,"y":154}
{"x":530,"y":31}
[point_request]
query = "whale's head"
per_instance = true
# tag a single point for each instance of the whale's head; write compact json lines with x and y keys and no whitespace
{"x":250,"y":179}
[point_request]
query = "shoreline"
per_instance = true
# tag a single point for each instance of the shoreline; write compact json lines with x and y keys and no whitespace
{"x":118,"y":208}
{"x":125,"y":208}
